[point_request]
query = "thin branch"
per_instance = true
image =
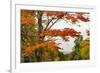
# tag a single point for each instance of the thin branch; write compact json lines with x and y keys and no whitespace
{"x":49,"y":21}
{"x":53,"y":23}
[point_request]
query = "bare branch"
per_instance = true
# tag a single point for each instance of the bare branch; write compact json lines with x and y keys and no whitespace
{"x":49,"y":21}
{"x":53,"y":23}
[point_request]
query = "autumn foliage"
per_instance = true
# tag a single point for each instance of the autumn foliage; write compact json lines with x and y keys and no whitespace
{"x":35,"y":28}
{"x":27,"y":17}
{"x":63,"y":33}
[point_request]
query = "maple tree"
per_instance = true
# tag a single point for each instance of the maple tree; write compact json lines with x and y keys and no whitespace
{"x":37,"y":25}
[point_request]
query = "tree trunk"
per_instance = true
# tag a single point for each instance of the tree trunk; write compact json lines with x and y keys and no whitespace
{"x":40,"y":26}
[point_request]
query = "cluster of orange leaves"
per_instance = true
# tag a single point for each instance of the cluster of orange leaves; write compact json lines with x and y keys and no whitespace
{"x":74,"y":17}
{"x":45,"y":44}
{"x":27,"y":17}
{"x":61,"y":32}
{"x":55,"y":14}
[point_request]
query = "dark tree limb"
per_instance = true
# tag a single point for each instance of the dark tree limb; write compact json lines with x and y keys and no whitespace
{"x":53,"y":24}
{"x":49,"y":21}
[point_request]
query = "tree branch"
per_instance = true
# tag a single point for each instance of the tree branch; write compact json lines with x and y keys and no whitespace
{"x":53,"y":23}
{"x":49,"y":21}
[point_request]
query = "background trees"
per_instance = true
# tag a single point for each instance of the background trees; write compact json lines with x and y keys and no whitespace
{"x":36,"y":35}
